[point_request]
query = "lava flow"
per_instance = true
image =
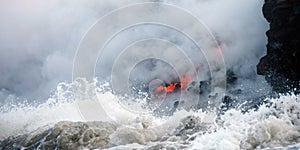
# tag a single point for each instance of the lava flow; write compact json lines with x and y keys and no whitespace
{"x":173,"y":86}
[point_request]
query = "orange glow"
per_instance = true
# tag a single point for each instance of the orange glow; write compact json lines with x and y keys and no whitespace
{"x":171,"y":87}
{"x":220,"y":52}
{"x":159,"y":89}
{"x":184,"y":81}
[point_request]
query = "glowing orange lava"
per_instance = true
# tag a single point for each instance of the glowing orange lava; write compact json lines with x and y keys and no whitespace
{"x":172,"y":86}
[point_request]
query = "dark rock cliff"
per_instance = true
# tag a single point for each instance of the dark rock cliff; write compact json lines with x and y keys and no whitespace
{"x":281,"y":65}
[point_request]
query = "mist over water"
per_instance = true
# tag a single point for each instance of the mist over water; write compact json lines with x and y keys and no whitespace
{"x":37,"y":49}
{"x":39,"y":39}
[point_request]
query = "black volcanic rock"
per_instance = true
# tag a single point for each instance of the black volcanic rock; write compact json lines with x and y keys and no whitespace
{"x":281,"y":65}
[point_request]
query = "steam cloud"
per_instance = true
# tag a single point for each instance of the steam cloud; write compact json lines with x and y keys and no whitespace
{"x":39,"y":39}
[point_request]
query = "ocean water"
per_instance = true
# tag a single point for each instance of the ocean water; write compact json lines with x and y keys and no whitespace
{"x":273,"y":126}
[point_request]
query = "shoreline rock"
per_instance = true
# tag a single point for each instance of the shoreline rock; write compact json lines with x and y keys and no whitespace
{"x":280,"y":65}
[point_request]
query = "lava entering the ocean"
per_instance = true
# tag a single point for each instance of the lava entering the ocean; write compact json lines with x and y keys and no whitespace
{"x":169,"y":88}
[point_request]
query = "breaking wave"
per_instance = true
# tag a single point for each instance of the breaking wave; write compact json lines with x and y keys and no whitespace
{"x":274,"y":125}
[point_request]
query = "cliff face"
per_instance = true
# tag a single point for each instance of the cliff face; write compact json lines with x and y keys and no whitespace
{"x":281,"y":65}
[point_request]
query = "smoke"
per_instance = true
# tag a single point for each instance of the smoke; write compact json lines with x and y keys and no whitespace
{"x":39,"y":39}
{"x":38,"y":42}
{"x":238,"y":26}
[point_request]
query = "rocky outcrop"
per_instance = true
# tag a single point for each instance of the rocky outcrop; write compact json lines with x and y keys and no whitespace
{"x":67,"y":135}
{"x":281,"y":65}
{"x":64,"y":135}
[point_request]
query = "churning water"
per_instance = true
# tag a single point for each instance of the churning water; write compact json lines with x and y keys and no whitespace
{"x":273,"y":125}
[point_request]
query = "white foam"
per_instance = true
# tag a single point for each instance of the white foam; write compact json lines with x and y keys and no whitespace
{"x":268,"y":127}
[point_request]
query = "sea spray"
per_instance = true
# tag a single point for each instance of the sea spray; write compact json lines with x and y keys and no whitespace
{"x":276,"y":124}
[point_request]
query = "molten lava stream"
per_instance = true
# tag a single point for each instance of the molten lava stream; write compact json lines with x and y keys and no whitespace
{"x":172,"y":86}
